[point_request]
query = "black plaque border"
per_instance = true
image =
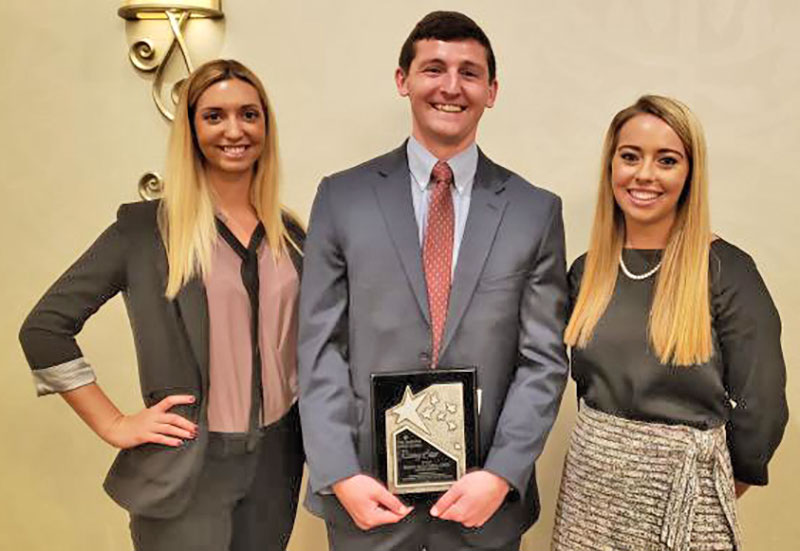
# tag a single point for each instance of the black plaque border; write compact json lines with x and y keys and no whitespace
{"x":387,"y":390}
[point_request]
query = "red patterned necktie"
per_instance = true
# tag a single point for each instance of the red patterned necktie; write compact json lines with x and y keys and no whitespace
{"x":437,"y":251}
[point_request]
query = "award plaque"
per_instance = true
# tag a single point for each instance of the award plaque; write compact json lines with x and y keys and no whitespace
{"x":425,"y":427}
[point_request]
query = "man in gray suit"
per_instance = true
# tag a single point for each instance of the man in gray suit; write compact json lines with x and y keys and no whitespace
{"x":432,"y":255}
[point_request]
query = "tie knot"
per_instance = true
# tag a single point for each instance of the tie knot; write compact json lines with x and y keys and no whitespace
{"x":442,"y":173}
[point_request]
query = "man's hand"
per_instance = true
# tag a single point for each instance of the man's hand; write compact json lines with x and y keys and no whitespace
{"x":472,"y":500}
{"x":368,"y":502}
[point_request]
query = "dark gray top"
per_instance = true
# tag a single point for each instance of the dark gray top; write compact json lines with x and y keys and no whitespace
{"x":743,"y":384}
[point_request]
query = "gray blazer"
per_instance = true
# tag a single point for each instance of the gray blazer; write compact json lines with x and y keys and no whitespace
{"x":364,"y":309}
{"x":171,"y":339}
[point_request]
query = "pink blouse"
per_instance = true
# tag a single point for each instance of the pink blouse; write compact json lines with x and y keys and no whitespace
{"x":230,"y":358}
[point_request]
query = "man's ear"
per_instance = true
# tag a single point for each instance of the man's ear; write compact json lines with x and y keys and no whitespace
{"x":493,"y":87}
{"x":400,"y":81}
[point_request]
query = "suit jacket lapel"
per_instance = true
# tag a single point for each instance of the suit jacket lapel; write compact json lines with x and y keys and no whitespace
{"x":191,"y":311}
{"x":393,"y":191}
{"x":486,"y":209}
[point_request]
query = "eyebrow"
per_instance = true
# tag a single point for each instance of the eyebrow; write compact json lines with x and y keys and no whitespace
{"x":241,"y":107}
{"x":440,"y":61}
{"x":471,"y":65}
{"x":431,"y":61}
{"x":662,"y":150}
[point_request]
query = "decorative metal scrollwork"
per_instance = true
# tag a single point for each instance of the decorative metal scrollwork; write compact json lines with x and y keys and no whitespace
{"x":143,"y":54}
{"x":151,"y":186}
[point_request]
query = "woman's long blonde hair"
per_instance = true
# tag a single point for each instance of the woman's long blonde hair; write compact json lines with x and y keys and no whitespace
{"x":186,"y":214}
{"x":680,"y":317}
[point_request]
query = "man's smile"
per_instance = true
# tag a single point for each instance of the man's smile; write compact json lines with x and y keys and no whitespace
{"x":449,"y":107}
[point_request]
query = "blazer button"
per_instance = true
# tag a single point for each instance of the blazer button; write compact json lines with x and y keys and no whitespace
{"x":424,"y":357}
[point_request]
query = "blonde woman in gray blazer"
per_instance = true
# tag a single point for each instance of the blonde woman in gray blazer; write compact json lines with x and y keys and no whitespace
{"x":186,"y":483}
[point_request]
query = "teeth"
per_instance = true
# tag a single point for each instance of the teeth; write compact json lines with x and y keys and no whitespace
{"x":233,"y":149}
{"x":643,"y":195}
{"x":449,"y":108}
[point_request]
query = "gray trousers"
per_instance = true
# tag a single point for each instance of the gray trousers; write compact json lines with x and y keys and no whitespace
{"x":244,"y":501}
{"x":416,"y":532}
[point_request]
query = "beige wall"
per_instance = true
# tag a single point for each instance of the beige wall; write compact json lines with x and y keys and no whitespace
{"x":79,"y":128}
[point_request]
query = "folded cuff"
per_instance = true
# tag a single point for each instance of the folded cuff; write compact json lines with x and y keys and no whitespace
{"x":63,"y":377}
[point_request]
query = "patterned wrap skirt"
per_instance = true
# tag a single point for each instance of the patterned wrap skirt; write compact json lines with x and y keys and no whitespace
{"x":637,"y":486}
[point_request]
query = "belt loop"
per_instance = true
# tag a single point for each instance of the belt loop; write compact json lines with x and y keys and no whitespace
{"x":253,"y":438}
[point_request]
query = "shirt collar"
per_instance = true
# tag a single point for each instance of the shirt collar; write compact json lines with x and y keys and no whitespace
{"x":421,"y":163}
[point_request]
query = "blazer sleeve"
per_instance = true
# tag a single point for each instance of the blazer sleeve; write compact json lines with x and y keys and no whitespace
{"x":534,"y":396}
{"x":48,"y":333}
{"x":749,"y":331}
{"x":326,"y":398}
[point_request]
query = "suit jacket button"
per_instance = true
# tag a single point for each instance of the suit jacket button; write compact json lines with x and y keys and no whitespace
{"x":424,"y":357}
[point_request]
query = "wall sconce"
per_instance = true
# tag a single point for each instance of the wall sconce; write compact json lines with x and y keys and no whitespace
{"x":143,"y":56}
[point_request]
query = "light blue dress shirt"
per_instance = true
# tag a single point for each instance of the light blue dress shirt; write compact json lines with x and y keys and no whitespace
{"x":463,"y":165}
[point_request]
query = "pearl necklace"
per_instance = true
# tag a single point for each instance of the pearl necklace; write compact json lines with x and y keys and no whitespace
{"x":637,"y":277}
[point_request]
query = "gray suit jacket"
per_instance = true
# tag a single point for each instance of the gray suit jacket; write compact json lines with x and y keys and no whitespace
{"x":364,"y":309}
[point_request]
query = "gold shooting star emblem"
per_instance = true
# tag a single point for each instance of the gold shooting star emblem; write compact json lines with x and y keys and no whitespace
{"x":407,"y":410}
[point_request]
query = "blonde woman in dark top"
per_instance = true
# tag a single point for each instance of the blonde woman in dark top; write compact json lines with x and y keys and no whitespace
{"x":210,"y":279}
{"x":675,"y":351}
